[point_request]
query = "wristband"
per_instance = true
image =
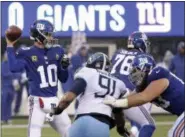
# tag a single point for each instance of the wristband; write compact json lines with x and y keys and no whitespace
{"x":57,"y":111}
{"x":121,"y":103}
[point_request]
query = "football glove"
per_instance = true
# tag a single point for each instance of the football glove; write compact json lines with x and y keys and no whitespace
{"x":124,"y":132}
{"x":118,"y":103}
{"x":49,"y":117}
{"x":109,"y":100}
{"x":65,"y":61}
{"x":16,"y":85}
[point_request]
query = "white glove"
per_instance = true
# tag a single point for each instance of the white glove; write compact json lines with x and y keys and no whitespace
{"x":117,"y":103}
{"x":109,"y":100}
{"x":49,"y":117}
{"x":24,"y":77}
{"x":16,"y":84}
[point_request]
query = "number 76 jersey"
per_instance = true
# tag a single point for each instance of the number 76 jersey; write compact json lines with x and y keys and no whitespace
{"x":99,"y":84}
{"x":121,"y":62}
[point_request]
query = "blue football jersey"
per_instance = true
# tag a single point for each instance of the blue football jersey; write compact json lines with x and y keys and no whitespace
{"x":43,"y":68}
{"x":121,"y":62}
{"x":172,"y":99}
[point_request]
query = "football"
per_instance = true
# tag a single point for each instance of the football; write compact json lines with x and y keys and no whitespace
{"x":13,"y":33}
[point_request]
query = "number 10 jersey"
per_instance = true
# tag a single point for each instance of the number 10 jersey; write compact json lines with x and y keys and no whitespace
{"x":42,"y":67}
{"x":99,"y":85}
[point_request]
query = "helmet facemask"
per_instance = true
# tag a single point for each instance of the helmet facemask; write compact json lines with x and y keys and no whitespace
{"x":137,"y":76}
{"x":48,"y":39}
{"x":107,"y":66}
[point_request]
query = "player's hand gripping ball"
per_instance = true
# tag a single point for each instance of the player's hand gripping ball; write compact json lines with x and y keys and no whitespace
{"x":13,"y":33}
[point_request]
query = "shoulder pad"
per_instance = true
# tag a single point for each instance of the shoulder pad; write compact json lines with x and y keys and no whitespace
{"x":21,"y":50}
{"x":157,"y":69}
{"x":25,"y":48}
{"x":120,"y":51}
{"x":84,"y":73}
{"x":124,"y":51}
{"x":158,"y":73}
{"x":58,"y":48}
{"x":57,"y":45}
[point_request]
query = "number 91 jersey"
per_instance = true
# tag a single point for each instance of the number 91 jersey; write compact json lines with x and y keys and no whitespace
{"x":99,"y":85}
{"x":121,"y":62}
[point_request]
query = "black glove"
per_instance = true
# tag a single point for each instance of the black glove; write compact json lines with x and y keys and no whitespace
{"x":123,"y":132}
{"x":120,"y":122}
{"x":65,"y":61}
{"x":56,"y":111}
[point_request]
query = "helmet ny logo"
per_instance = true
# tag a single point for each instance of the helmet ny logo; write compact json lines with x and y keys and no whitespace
{"x":154,"y":17}
{"x":142,"y":62}
{"x":40,"y":26}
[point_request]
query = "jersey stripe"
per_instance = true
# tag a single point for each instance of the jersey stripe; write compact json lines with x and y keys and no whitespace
{"x":31,"y":102}
{"x":146,"y":114}
{"x":178,"y":129}
{"x":182,"y":131}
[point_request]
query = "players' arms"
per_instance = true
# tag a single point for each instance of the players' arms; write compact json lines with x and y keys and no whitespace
{"x":5,"y":72}
{"x":120,"y":122}
{"x":65,"y":61}
{"x":63,"y":71}
{"x":152,"y":91}
{"x":64,"y":102}
{"x":63,"y":75}
{"x":15,"y":65}
{"x":78,"y":87}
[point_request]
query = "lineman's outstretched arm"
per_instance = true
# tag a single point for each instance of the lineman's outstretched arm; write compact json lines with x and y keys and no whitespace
{"x":152,"y":91}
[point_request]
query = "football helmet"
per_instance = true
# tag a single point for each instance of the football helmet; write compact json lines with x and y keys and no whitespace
{"x":141,"y":66}
{"x":138,"y":40}
{"x":42,"y":31}
{"x":98,"y":61}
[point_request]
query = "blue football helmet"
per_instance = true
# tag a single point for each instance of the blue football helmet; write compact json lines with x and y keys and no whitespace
{"x":138,"y":40}
{"x":42,"y":31}
{"x":98,"y":61}
{"x":141,"y":66}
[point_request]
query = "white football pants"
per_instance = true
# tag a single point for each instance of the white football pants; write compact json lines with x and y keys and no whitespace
{"x":140,"y":115}
{"x":178,"y":128}
{"x":38,"y":108}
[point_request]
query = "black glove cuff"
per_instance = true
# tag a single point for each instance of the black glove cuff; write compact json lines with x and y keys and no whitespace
{"x":117,"y":110}
{"x":57,"y":111}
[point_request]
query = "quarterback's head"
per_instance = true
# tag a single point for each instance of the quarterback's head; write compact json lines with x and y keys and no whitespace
{"x":98,"y":61}
{"x":141,"y":66}
{"x":42,"y":31}
{"x":138,"y":40}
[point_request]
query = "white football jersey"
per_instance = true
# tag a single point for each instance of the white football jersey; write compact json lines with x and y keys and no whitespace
{"x":99,"y":84}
